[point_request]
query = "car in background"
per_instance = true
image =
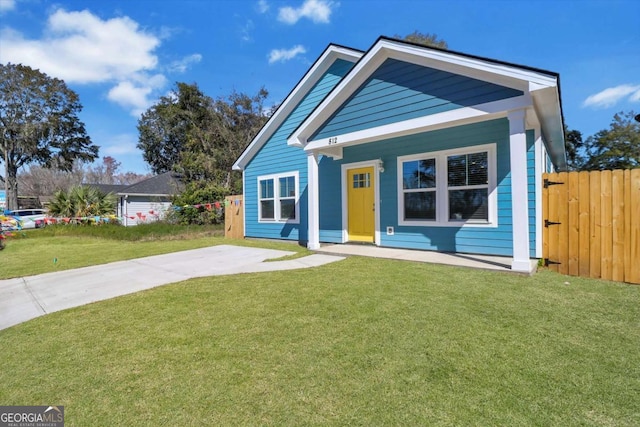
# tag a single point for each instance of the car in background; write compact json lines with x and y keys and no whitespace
{"x":29,"y":218}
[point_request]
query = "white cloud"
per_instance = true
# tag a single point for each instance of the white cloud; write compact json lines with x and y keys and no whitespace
{"x":245,"y":31}
{"x":120,"y":144}
{"x":318,"y":11}
{"x":611,"y":96}
{"x":82,"y":48}
{"x":79,"y":47}
{"x":7,"y":5}
{"x":285,"y":54}
{"x":263,"y":6}
{"x":135,"y":94}
{"x":183,"y":64}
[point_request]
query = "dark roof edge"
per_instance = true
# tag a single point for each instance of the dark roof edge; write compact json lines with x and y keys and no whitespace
{"x":293,"y":90}
{"x":482,"y":58}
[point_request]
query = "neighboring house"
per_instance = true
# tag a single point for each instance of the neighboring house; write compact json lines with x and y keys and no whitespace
{"x":147,"y":200}
{"x":408,"y":146}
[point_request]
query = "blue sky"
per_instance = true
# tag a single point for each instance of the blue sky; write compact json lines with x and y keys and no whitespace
{"x":120,"y":56}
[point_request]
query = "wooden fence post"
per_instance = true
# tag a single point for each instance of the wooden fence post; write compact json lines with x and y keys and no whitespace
{"x":234,"y":217}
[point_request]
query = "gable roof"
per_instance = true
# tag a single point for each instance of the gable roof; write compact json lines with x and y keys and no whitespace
{"x":108,"y":188}
{"x":306,"y":83}
{"x":541,"y":89}
{"x":165,"y":184}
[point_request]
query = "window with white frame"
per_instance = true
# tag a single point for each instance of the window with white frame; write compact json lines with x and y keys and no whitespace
{"x":419,"y":189}
{"x":448,"y":188}
{"x":278,"y":197}
{"x":468,"y":186}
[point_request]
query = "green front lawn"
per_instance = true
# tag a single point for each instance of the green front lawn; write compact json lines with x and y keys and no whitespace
{"x":56,"y":248}
{"x":358,"y":342}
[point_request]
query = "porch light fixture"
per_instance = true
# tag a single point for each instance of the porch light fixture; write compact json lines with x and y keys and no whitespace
{"x":380,"y":165}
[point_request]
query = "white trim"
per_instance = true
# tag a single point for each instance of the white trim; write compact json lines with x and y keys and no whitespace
{"x":539,"y":167}
{"x":376,"y":194}
{"x":313,"y":203}
{"x":457,"y":117}
{"x":244,"y":204}
{"x":319,"y":68}
{"x":464,"y":65}
{"x":276,"y":198}
{"x":442,"y":194}
{"x":519,"y":191}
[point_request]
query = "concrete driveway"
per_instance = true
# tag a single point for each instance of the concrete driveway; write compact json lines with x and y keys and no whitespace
{"x":25,"y":298}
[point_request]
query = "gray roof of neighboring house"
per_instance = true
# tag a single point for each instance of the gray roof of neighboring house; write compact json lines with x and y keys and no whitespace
{"x":165,"y":184}
{"x":108,"y":188}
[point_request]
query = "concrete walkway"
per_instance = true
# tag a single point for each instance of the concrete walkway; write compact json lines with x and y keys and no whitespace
{"x":25,"y":298}
{"x":486,"y":262}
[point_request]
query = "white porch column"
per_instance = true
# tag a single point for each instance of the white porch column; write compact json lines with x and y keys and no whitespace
{"x":540,"y":160}
{"x":313,"y":202}
{"x":519,"y":202}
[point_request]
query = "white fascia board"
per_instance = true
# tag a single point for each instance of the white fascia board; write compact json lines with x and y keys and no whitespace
{"x":486,"y":70}
{"x":460,"y":116}
{"x":314,"y":74}
{"x":502,"y":74}
{"x":547,"y":105}
{"x":358,"y":75}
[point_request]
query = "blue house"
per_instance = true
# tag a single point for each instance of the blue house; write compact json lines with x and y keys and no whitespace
{"x":408,"y":146}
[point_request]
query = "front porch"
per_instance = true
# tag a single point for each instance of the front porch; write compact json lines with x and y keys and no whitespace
{"x":485,"y":262}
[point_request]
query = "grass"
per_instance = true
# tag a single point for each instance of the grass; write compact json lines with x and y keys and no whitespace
{"x":359,"y":342}
{"x":56,"y":248}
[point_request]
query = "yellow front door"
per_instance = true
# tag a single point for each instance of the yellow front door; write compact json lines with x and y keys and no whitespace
{"x":361,"y":204}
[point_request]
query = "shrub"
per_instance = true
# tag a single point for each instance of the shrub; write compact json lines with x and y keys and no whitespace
{"x":82,"y":201}
{"x":196,"y":205}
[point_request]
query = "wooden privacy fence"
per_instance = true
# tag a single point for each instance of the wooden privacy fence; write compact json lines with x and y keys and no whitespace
{"x":233,"y":217}
{"x":592,"y":224}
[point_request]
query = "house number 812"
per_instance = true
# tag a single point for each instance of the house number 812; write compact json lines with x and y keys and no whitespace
{"x":333,"y":140}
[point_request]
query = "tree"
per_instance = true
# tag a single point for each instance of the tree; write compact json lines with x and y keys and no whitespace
{"x":426,"y":39}
{"x":40,"y":181}
{"x":82,"y":201}
{"x":573,"y":144}
{"x":212,"y":150}
{"x":38,"y":124}
{"x":615,"y":148}
{"x":167,"y":126}
{"x":198,"y":137}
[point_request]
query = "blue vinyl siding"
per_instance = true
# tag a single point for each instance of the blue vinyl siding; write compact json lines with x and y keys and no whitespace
{"x":277,"y":157}
{"x":399,"y":91}
{"x":495,"y":241}
{"x":531,"y":186}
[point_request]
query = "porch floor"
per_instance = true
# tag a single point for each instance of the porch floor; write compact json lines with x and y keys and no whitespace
{"x":487,"y":262}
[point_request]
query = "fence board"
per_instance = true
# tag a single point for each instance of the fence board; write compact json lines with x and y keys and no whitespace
{"x":598,"y":234}
{"x":234,"y":217}
{"x":634,"y":227}
{"x":554,"y":245}
{"x":594,"y":225}
{"x":617,"y":225}
{"x":583,"y":224}
{"x":545,"y":214}
{"x":573,"y":225}
{"x":606,"y":229}
{"x":563,"y":226}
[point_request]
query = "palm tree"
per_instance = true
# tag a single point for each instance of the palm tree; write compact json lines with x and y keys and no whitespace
{"x":82,"y":201}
